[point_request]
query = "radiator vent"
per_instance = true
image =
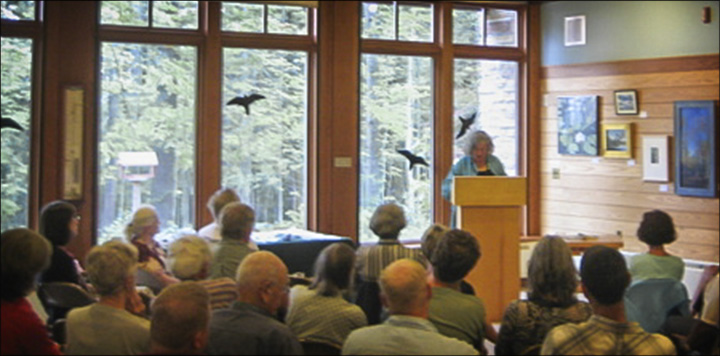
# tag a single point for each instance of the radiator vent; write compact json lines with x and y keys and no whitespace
{"x":575,"y":31}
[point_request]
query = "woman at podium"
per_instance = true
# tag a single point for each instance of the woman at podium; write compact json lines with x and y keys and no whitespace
{"x":478,"y":161}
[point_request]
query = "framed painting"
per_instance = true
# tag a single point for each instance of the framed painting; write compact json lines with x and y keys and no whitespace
{"x":626,"y":102}
{"x":695,"y":148}
{"x":655,"y":158}
{"x":617,"y":140}
{"x":578,"y":125}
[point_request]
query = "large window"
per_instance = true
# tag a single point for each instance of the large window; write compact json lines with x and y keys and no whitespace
{"x":16,"y":104}
{"x":396,"y":114}
{"x":147,"y":134}
{"x":264,"y":149}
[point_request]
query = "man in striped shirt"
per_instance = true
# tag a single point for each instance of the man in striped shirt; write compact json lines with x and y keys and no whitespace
{"x":605,"y":277}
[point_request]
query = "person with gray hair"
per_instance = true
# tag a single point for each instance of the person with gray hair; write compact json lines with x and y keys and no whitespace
{"x":237,"y":221}
{"x":180,"y":320}
{"x":211,"y":231}
{"x":454,"y":313}
{"x":551,"y":300}
{"x":319,"y":313}
{"x":406,"y":293}
{"x":140,"y":232}
{"x":189,"y":260}
{"x":478,"y":161}
{"x":106,"y":327}
{"x":25,"y":254}
{"x":386,"y":222}
{"x":250,"y":326}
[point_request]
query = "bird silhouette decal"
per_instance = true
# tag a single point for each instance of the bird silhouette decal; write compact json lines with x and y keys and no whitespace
{"x":413,"y":158}
{"x":466,"y":123}
{"x":245,"y":101}
{"x":10,"y":123}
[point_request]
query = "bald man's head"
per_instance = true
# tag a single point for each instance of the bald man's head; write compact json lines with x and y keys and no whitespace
{"x":262,"y":280}
{"x":404,"y":288}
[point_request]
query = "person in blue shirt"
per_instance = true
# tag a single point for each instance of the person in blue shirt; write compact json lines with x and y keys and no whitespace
{"x":478,"y":161}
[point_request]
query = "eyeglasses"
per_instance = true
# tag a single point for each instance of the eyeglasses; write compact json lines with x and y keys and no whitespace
{"x":77,"y":217}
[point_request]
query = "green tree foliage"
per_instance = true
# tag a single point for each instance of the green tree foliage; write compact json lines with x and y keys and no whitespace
{"x":16,"y":104}
{"x":264,"y":153}
{"x":18,"y":10}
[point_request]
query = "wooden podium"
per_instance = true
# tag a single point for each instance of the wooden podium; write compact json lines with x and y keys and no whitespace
{"x":490,"y":208}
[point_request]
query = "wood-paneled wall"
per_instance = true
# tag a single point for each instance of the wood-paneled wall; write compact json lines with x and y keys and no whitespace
{"x":596,"y":195}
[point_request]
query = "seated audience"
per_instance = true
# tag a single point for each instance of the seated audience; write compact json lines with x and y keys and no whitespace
{"x":25,"y":254}
{"x":237,"y":221}
{"x":429,"y":241}
{"x":217,"y":202}
{"x":551,"y":300}
{"x":604,"y":278}
{"x":455,"y":314}
{"x":406,"y":293}
{"x":59,"y":223}
{"x":386,"y":222}
{"x":189,"y":260}
{"x":656,"y":230}
{"x":141,"y":232}
{"x":180,"y":320}
{"x":250,"y":325}
{"x":319,"y":313}
{"x":106,"y":327}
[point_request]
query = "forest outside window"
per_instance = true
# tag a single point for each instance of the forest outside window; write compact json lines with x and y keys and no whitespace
{"x":402,"y":21}
{"x":479,"y":26}
{"x":18,"y":10}
{"x":156,"y":14}
{"x":259,"y":18}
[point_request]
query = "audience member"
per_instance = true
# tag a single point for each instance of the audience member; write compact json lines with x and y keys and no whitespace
{"x":141,"y":232}
{"x":59,"y":223}
{"x":552,"y":280}
{"x":189,"y":260}
{"x":455,"y":314}
{"x":604,"y":278}
{"x":216,"y":203}
{"x":25,"y":254}
{"x":250,"y":326}
{"x":180,"y":320}
{"x":135,"y":303}
{"x":237,"y":221}
{"x":319,"y":313}
{"x":429,"y":241}
{"x":656,"y":230}
{"x":406,"y":294}
{"x":106,"y":327}
{"x":386,"y":222}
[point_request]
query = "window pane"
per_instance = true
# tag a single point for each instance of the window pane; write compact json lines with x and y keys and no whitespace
{"x":289,"y":20}
{"x":264,"y":155}
{"x":147,"y":114}
{"x":16,"y":103}
{"x":489,"y":88}
{"x":18,"y":10}
{"x":416,"y":23}
{"x":242,"y":17}
{"x":468,"y":26}
{"x":502,"y":28}
{"x":396,"y":113}
{"x":124,"y":13}
{"x":175,"y":14}
{"x":378,"y":21}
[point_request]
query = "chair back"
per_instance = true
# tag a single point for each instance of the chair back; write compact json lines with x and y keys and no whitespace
{"x":368,"y":299}
{"x":64,"y":295}
{"x":319,"y":348}
{"x":651,"y":301}
{"x":147,"y":279}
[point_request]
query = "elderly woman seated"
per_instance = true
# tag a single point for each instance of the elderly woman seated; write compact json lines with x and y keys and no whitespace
{"x":107,"y":327}
{"x":189,"y":260}
{"x":237,"y":221}
{"x":25,"y":254}
{"x":551,"y":300}
{"x":386,"y":222}
{"x":319,"y":313}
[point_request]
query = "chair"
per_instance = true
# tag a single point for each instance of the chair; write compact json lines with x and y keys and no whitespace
{"x":63,"y":295}
{"x":319,"y":348}
{"x":368,"y":299}
{"x":147,"y":279}
{"x":651,"y":301}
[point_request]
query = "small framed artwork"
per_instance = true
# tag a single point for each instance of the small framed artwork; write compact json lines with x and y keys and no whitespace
{"x":695,"y":148}
{"x":616,"y":140}
{"x":655,"y":158}
{"x":626,"y":102}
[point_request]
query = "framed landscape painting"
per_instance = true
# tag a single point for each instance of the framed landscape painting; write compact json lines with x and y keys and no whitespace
{"x":578,"y":125}
{"x":695,"y":148}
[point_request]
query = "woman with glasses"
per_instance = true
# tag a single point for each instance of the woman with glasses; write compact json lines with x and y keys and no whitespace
{"x":59,"y":223}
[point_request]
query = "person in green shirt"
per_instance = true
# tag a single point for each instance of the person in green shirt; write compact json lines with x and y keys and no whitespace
{"x":656,"y":230}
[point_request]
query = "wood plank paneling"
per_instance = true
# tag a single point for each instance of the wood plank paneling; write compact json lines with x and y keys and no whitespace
{"x":596,"y":195}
